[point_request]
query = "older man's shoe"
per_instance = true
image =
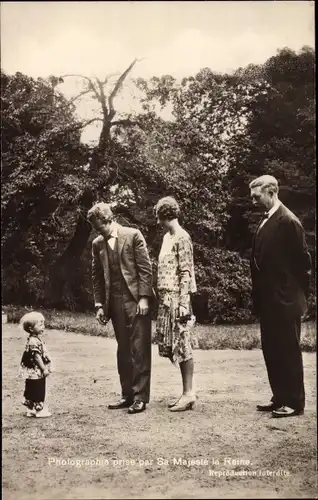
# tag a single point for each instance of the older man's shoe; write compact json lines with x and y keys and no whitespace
{"x":122,"y":403}
{"x":286,"y":411}
{"x":137,"y":407}
{"x":268,"y":407}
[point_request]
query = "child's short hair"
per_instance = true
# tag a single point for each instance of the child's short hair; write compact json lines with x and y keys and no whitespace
{"x":28,"y":321}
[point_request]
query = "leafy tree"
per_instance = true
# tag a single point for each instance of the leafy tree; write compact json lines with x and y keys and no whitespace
{"x":281,"y":132}
{"x":222,"y":131}
{"x":42,"y":177}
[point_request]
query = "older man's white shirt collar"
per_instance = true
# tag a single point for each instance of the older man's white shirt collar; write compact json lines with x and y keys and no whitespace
{"x":271,"y":212}
{"x":274,"y":208}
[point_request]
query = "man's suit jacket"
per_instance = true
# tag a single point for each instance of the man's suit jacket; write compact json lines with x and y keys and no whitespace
{"x":134,"y":263}
{"x":280,"y":265}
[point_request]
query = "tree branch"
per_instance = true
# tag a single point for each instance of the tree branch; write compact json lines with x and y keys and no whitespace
{"x":102,"y":98}
{"x":127,"y":122}
{"x":76,"y":76}
{"x":118,"y":84}
{"x":81,"y":94}
{"x":84,"y":124}
{"x":108,"y":77}
{"x":91,"y":87}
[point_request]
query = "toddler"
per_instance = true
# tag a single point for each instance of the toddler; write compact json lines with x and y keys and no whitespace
{"x":35,"y":365}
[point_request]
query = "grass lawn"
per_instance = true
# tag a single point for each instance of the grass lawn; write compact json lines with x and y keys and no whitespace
{"x":140,"y":456}
{"x":208,"y":336}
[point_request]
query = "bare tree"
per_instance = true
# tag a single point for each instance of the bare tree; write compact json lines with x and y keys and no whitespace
{"x":69,"y":259}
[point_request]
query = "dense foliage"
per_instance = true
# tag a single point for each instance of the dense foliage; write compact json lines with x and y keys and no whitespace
{"x":42,"y":177}
{"x":223,"y":131}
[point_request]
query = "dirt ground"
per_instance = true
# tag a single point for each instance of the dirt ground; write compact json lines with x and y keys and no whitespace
{"x":85,"y":451}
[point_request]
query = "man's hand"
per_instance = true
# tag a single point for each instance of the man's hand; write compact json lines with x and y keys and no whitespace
{"x":46,"y":372}
{"x":183,"y":311}
{"x":304,"y":315}
{"x":143,"y":306}
{"x":100,"y":316}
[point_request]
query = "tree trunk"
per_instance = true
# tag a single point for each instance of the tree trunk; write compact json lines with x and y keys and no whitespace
{"x":66,"y":265}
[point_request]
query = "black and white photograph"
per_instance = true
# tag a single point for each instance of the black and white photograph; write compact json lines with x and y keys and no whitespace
{"x":158,"y":245}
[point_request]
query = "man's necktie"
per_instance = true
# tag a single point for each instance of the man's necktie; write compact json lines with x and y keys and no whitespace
{"x":264,"y":219}
{"x":111,"y":241}
{"x":262,"y":222}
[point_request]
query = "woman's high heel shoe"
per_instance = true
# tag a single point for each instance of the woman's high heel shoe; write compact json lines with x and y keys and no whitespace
{"x":184,"y":404}
{"x":171,"y":405}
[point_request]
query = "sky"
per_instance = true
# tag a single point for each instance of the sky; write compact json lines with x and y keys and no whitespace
{"x":176,"y":38}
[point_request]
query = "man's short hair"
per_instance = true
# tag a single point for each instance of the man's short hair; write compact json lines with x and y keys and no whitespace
{"x":265,"y":182}
{"x":101,"y":211}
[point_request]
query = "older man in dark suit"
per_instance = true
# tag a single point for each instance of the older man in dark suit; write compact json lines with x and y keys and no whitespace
{"x":280,"y":268}
{"x":122,"y":284}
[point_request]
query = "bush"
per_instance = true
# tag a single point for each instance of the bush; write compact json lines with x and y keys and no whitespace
{"x":63,"y":320}
{"x":224,"y":287}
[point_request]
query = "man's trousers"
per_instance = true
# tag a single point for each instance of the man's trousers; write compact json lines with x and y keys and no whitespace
{"x":133,"y":335}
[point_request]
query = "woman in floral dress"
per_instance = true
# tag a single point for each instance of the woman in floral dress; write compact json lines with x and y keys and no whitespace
{"x":176,"y":283}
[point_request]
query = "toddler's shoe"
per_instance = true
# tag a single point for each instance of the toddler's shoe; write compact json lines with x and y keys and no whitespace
{"x":30,"y":413}
{"x":44,"y":413}
{"x":28,"y":404}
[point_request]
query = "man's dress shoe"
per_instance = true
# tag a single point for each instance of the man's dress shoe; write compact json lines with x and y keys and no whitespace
{"x":137,"y":407}
{"x":285,"y":411}
{"x":122,"y":403}
{"x":268,"y":407}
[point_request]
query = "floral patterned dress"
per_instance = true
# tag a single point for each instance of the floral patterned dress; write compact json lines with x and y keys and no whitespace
{"x":28,"y":367}
{"x":176,"y":283}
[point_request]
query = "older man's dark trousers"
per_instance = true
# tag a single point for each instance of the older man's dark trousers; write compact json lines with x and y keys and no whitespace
{"x":280,"y":336}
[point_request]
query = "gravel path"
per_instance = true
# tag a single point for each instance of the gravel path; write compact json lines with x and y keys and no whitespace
{"x":222,"y":449}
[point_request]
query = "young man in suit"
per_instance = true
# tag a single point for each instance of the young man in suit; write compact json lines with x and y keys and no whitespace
{"x":122,"y":285}
{"x":280,"y":269}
